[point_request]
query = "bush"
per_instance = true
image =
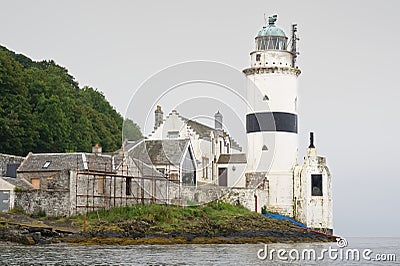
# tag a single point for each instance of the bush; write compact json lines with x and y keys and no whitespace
{"x":264,"y":209}
{"x":41,"y":213}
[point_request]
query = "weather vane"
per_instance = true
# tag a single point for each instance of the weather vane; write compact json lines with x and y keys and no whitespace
{"x":271,"y":20}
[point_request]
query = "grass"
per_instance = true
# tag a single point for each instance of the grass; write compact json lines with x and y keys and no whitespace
{"x":165,"y":216}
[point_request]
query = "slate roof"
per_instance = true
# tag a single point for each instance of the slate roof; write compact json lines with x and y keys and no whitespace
{"x":203,"y":130}
{"x":38,"y":162}
{"x":160,"y":152}
{"x":18,"y":182}
{"x":146,"y":170}
{"x":232,"y":158}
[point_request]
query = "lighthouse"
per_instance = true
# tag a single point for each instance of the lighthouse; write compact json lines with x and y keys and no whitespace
{"x":271,"y":118}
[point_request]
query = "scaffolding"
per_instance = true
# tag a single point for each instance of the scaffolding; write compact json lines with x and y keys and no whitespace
{"x":99,"y":185}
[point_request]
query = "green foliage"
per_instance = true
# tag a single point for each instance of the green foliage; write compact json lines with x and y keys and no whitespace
{"x":264,"y":209}
{"x":131,"y":130}
{"x":167,"y":216}
{"x":18,"y":189}
{"x":41,"y":213}
{"x":42,"y":109}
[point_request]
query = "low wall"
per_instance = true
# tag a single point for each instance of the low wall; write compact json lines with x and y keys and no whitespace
{"x":53,"y":203}
{"x":252,"y":199}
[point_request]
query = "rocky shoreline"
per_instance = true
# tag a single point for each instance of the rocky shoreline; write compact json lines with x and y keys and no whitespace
{"x":28,"y":235}
{"x":174,"y":226}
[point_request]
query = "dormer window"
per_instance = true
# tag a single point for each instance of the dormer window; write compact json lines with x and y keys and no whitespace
{"x":258,"y":57}
{"x":46,"y":164}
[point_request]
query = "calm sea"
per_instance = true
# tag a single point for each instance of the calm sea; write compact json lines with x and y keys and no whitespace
{"x":373,"y":249}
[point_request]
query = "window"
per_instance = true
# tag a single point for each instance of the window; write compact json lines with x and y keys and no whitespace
{"x":220,"y":147}
{"x":128,"y":186}
{"x":46,"y":164}
{"x":258,"y":57}
{"x":174,"y":177}
{"x":227,"y":148}
{"x":264,"y":148}
{"x":161,"y":170}
{"x":11,"y":170}
{"x":316,"y":185}
{"x":100,"y":184}
{"x":205,"y":167}
{"x":173,"y":134}
{"x":36,"y":183}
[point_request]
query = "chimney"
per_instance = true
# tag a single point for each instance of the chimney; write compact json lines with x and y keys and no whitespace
{"x":158,"y":117}
{"x":96,"y":149}
{"x":218,"y":121}
{"x":311,"y":140}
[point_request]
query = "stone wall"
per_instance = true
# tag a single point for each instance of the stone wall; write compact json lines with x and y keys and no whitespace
{"x":49,"y":180}
{"x":52,"y":203}
{"x":88,"y":193}
{"x":252,"y":199}
{"x":6,"y":159}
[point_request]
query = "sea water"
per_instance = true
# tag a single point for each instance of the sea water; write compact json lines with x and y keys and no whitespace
{"x":379,"y":251}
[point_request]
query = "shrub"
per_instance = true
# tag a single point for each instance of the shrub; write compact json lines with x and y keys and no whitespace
{"x":264,"y":209}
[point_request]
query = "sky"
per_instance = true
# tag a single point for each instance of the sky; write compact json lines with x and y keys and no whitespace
{"x":348,"y":89}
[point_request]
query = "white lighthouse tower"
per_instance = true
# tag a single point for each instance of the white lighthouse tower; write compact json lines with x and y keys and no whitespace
{"x":271,"y":119}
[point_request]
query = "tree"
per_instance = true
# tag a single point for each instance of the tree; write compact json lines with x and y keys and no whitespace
{"x":42,"y":109}
{"x":131,"y":130}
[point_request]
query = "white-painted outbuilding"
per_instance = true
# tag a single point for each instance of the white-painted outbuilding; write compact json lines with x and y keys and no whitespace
{"x":8,"y":187}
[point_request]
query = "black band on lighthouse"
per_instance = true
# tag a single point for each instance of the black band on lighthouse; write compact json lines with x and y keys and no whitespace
{"x":271,"y":121}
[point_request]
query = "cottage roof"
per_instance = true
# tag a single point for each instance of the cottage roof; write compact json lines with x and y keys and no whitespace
{"x":146,"y":170}
{"x":205,"y":131}
{"x":160,"y":152}
{"x":66,"y":161}
{"x":232,"y":158}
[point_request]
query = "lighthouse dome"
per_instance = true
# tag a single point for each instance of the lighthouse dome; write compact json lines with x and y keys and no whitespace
{"x":271,"y":37}
{"x":271,"y":30}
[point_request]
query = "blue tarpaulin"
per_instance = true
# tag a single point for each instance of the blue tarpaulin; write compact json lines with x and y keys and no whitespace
{"x":284,"y":218}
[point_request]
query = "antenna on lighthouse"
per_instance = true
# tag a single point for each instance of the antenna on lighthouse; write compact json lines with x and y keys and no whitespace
{"x":294,"y":44}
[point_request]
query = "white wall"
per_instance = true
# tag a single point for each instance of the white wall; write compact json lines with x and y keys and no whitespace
{"x":314,"y":211}
{"x":280,"y":186}
{"x":236,"y":174}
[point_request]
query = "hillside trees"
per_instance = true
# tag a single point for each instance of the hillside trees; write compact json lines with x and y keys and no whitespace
{"x":42,"y":109}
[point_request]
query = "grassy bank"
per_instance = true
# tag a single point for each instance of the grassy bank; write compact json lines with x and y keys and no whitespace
{"x":215,"y":222}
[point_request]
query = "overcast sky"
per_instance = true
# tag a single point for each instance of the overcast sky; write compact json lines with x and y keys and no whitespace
{"x":348,"y":89}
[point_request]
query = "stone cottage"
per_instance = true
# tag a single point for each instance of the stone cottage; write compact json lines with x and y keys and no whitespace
{"x":65,"y":184}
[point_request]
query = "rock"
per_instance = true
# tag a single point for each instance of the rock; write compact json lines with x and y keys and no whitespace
{"x":36,"y":236}
{"x":27,"y":240}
